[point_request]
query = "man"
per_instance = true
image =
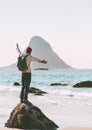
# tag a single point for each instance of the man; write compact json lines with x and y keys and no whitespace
{"x":26,"y":74}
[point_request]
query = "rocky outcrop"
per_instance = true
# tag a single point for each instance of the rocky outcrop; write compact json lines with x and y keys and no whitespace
{"x":16,"y":84}
{"x":27,"y":116}
{"x":83,"y":84}
{"x":58,"y":84}
{"x":36,"y":91}
{"x":41,"y":69}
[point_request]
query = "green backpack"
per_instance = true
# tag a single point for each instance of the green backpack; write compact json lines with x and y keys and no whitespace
{"x":21,"y":64}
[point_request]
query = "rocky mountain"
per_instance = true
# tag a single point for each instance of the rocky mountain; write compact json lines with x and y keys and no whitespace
{"x":42,"y":49}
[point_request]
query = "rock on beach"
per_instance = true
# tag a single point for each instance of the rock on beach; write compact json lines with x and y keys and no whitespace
{"x":36,"y":91}
{"x":58,"y":84}
{"x":27,"y":116}
{"x":83,"y":84}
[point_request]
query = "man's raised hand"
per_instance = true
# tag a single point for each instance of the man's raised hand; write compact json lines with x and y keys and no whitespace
{"x":44,"y":61}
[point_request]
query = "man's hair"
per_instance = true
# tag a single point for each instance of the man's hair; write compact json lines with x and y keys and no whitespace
{"x":28,"y":50}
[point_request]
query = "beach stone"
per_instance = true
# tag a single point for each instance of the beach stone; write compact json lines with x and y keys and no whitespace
{"x":41,"y":69}
{"x":16,"y":84}
{"x":58,"y":84}
{"x":84,"y":84}
{"x":27,"y":116}
{"x":36,"y":91}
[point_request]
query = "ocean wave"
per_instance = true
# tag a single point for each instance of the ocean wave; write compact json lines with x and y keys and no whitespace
{"x":69,"y":91}
{"x":9,"y":88}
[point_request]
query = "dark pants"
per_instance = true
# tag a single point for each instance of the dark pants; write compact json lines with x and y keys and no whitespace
{"x":26,"y":80}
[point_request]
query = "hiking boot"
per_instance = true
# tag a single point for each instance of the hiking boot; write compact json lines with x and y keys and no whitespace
{"x":25,"y":100}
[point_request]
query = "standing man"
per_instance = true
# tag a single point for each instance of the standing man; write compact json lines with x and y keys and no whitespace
{"x":26,"y":74}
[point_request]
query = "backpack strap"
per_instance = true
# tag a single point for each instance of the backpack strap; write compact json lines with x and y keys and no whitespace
{"x":26,"y":57}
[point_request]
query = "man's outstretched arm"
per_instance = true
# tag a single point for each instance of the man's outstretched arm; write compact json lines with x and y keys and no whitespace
{"x":38,"y":60}
{"x":17,"y":47}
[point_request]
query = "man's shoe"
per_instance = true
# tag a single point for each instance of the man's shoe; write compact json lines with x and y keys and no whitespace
{"x":25,"y":100}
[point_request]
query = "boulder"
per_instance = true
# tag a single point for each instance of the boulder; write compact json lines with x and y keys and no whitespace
{"x":16,"y":84}
{"x":41,"y":69}
{"x":83,"y":84}
{"x":36,"y":91}
{"x":58,"y":84}
{"x":27,"y":116}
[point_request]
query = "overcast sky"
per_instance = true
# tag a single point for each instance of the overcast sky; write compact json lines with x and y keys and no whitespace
{"x":65,"y":24}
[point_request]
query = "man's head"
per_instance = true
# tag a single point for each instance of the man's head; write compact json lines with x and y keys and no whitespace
{"x":28,"y":50}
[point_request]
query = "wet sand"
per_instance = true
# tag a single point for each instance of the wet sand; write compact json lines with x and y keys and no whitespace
{"x":4,"y":128}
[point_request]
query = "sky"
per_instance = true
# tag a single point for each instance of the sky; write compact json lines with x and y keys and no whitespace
{"x":65,"y":24}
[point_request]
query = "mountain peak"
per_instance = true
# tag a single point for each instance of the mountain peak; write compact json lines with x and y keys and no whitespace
{"x":39,"y":43}
{"x":43,"y":50}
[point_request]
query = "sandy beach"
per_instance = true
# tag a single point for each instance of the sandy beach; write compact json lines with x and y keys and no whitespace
{"x":77,"y":129}
{"x":67,"y":117}
{"x":4,"y":128}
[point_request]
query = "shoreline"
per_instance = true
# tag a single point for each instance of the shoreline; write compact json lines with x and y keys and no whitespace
{"x":75,"y":128}
{"x":80,"y":128}
{"x":69,"y":108}
{"x":64,"y":116}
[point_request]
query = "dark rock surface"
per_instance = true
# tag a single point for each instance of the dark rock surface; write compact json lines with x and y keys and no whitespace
{"x":41,"y":69}
{"x":27,"y":116}
{"x":84,"y":84}
{"x":58,"y":84}
{"x":16,"y":84}
{"x":36,"y":91}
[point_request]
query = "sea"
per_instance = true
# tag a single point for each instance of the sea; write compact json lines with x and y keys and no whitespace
{"x":56,"y":95}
